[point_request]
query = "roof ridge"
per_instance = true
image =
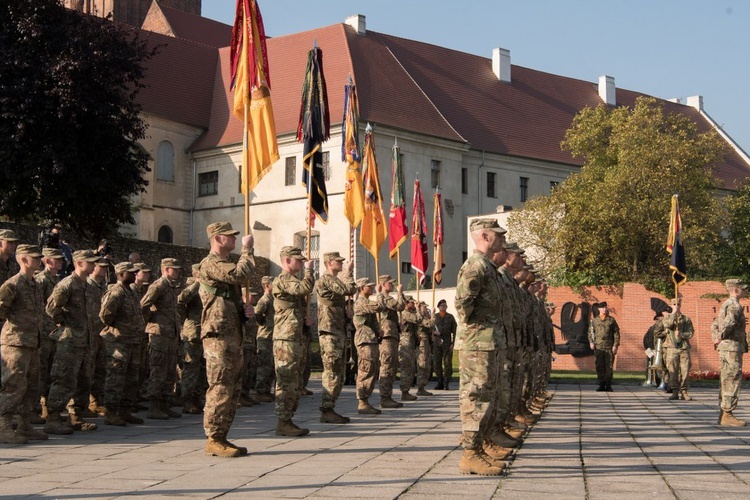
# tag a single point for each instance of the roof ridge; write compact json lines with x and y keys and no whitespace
{"x":349,"y":53}
{"x":162,"y":7}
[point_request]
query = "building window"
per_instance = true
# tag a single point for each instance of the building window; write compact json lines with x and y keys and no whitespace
{"x":524,"y":188}
{"x":435,"y":170}
{"x":406,"y":268}
{"x":300,"y":240}
{"x":553,"y":185}
{"x":491,"y":185}
{"x":165,"y":162}
{"x":465,"y":181}
{"x":327,"y":165}
{"x":290,"y":174}
{"x":208,"y":183}
{"x":165,"y":235}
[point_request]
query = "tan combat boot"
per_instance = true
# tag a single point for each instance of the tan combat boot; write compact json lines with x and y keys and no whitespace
{"x":190,"y":407}
{"x":155,"y":412}
{"x":502,"y":438}
{"x":405,"y":396}
{"x":80,"y":424}
{"x":241,"y":449}
{"x":328,"y":416}
{"x":129,"y":417}
{"x":112,"y":418}
{"x":473,"y":463}
{"x":287,"y":428}
{"x":168,"y":411}
{"x":423,"y":392}
{"x":388,"y":402}
{"x":685,"y":396}
{"x":365,"y":408}
{"x":264,"y":397}
{"x":220,"y":448}
{"x":730,"y":420}
{"x":26,"y":430}
{"x":496,"y":452}
{"x":7,"y":434}
{"x":55,"y":426}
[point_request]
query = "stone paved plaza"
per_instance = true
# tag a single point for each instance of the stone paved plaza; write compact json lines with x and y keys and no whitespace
{"x":631,"y":443}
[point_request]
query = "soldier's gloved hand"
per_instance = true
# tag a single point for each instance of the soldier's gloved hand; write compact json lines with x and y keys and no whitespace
{"x":309,"y":264}
{"x":249,"y":311}
{"x":400,"y":288}
{"x":347,"y":267}
{"x":248,"y":240}
{"x":614,"y":351}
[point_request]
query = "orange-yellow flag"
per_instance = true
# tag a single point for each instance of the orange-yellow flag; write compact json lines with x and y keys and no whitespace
{"x":373,"y":231}
{"x":252,"y":94}
{"x":354,"y":202}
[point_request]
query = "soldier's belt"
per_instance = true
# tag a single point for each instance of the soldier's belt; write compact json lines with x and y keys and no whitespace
{"x":217,"y":291}
{"x":331,"y":303}
{"x":284,"y":304}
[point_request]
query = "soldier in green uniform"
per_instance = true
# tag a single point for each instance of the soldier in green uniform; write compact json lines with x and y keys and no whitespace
{"x":605,"y":339}
{"x":139,"y":287}
{"x":424,"y":349}
{"x":731,"y":341}
{"x":290,"y":295}
{"x":96,"y":284}
{"x":676,"y":330}
{"x":8,"y":242}
{"x":407,"y":347}
{"x":47,"y":279}
{"x":249,"y":356}
{"x":477,"y":296}
{"x":366,"y":341}
{"x":442,"y":350}
{"x":193,"y":379}
{"x":264,"y":319}
{"x":389,"y":339}
{"x":221,"y":330}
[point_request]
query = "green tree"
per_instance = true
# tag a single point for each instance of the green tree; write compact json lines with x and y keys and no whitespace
{"x":613,"y":215}
{"x":734,"y":255}
{"x":69,"y":121}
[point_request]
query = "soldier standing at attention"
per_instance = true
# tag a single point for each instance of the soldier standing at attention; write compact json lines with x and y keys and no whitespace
{"x":366,"y":340}
{"x":8,"y":242}
{"x":249,"y":356}
{"x":442,"y":351}
{"x":605,"y":339}
{"x":477,"y":297}
{"x":407,"y":347}
{"x":47,"y":279}
{"x":97,"y":285}
{"x":264,"y":319}
{"x":424,"y":349}
{"x":21,"y":308}
{"x":677,"y":330}
{"x":121,"y":339}
{"x":221,"y":330}
{"x":290,"y":295}
{"x":139,"y":287}
{"x":159,"y":307}
{"x":389,"y":340}
{"x":190,"y":308}
{"x":731,"y":344}
{"x":331,"y":289}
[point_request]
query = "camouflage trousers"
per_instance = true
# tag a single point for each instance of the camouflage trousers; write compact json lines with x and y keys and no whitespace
{"x":442,"y":360}
{"x":515,"y":365}
{"x":250,"y":369}
{"x":98,"y":367}
{"x":46,"y":356}
{"x":193,"y":380}
{"x":604,"y":359}
{"x":678,"y":361}
{"x":121,"y":382}
{"x":478,"y":374}
{"x":367,"y":369}
{"x":265,"y":375}
{"x":289,"y":362}
{"x":731,"y":379}
{"x":19,"y":372}
{"x":307,"y":365}
{"x":71,"y":378}
{"x":224,"y":373}
{"x":388,"y":366}
{"x":162,"y":357}
{"x":332,"y":354}
{"x":424,"y":364}
{"x":143,"y":365}
{"x":501,"y":397}
{"x":406,"y":364}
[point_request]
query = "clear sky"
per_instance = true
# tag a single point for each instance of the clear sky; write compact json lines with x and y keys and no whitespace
{"x":665,"y":48}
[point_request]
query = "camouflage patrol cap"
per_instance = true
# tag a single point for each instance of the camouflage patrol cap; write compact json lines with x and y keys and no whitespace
{"x":736,"y":283}
{"x":30,"y":250}
{"x":52,"y":253}
{"x":487,"y":223}
{"x":102,"y":262}
{"x":217,"y":228}
{"x":85,"y":255}
{"x":8,"y":235}
{"x":266,"y":280}
{"x":386,"y":278}
{"x":292,"y":253}
{"x":142,"y":266}
{"x":124,"y":267}
{"x":512,"y":246}
{"x":409,"y":298}
{"x":170,"y":262}
{"x":363,"y":282}
{"x":329,"y":256}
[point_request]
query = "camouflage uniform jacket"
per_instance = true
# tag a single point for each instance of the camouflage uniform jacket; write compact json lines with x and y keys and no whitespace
{"x":22,"y":308}
{"x":121,"y":315}
{"x":527,"y":312}
{"x":409,"y":326}
{"x":138,"y":292}
{"x":250,"y":334}
{"x":7,"y":269}
{"x":190,"y":308}
{"x":47,"y":282}
{"x":514,"y":322}
{"x":732,"y":326}
{"x":426,"y":328}
{"x":389,"y":318}
{"x":332,"y":291}
{"x":159,"y":307}
{"x":264,"y":316}
{"x":366,"y":319}
{"x":478,"y":292}
{"x":290,"y":304}
{"x":605,"y":333}
{"x":67,"y":308}
{"x":538,"y":313}
{"x":667,"y":328}
{"x":220,"y":281}
{"x":95,"y":292}
{"x":446,"y":325}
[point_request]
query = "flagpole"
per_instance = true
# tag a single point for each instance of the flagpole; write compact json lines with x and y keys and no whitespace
{"x":417,"y":287}
{"x":398,"y":259}
{"x":245,"y":168}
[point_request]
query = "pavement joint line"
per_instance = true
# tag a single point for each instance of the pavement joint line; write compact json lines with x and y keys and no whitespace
{"x":580,"y":443}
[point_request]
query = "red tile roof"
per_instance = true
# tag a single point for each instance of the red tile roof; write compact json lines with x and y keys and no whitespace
{"x":196,"y":28}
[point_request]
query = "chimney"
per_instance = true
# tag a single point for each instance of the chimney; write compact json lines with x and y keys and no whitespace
{"x":695,"y":101}
{"x":607,"y":90}
{"x":357,"y":22}
{"x":501,"y":64}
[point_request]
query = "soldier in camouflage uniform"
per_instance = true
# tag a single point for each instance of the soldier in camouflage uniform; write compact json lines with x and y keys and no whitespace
{"x":21,"y":308}
{"x":249,"y":357}
{"x":477,"y":296}
{"x":366,"y":341}
{"x":389,"y":341}
{"x":139,"y":287}
{"x":676,"y":330}
{"x":264,"y":319}
{"x":442,"y":350}
{"x":731,"y":342}
{"x":290,"y":295}
{"x":121,"y":337}
{"x":47,"y":279}
{"x":424,"y":349}
{"x":96,"y":284}
{"x":221,"y":330}
{"x":605,"y":339}
{"x":159,"y":307}
{"x":8,"y":242}
{"x":193,"y":380}
{"x":407,"y":347}
{"x":331,"y":290}
{"x":71,"y":368}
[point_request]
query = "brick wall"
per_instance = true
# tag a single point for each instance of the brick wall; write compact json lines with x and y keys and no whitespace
{"x":630,"y":305}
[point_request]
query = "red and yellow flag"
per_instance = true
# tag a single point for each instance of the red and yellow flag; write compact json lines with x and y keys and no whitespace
{"x":437,"y":239}
{"x":252,"y":94}
{"x":397,"y":230}
{"x":373,"y":232}
{"x":419,"y":234}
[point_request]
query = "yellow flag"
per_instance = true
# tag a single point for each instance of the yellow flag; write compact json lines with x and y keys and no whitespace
{"x":354,"y":198}
{"x":373,"y":231}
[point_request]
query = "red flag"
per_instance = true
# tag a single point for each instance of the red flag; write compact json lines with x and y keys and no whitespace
{"x":437,"y":239}
{"x":419,"y":234}
{"x":397,"y":231}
